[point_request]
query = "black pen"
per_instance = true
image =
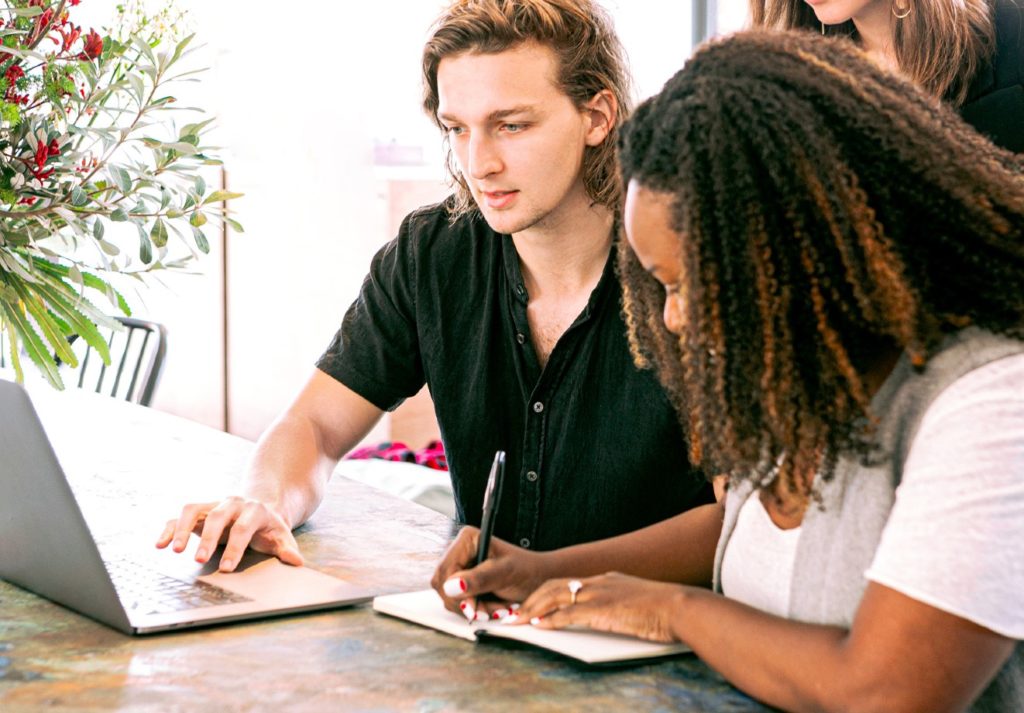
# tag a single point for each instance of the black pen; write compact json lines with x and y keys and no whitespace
{"x":492,"y":496}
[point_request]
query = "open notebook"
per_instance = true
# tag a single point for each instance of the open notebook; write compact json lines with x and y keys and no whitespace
{"x":592,"y":647}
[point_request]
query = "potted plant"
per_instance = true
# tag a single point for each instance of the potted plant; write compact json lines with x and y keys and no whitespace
{"x":87,"y":142}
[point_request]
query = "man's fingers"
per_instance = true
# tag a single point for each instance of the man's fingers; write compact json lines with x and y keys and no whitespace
{"x":217,"y":521}
{"x":191,"y":515}
{"x":290,"y":555}
{"x":288,"y":550}
{"x":168,"y":533}
{"x":242,"y":529}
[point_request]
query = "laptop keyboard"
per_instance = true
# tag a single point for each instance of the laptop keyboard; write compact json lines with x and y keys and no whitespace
{"x":148,"y":591}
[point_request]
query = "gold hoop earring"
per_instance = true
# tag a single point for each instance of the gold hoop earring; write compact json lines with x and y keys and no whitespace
{"x":901,"y":13}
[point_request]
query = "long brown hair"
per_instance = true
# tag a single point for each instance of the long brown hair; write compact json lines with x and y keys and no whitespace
{"x":941,"y":44}
{"x":590,"y":56}
{"x":828,"y":211}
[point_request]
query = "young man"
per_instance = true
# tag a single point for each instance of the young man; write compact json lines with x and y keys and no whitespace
{"x":503,"y":299}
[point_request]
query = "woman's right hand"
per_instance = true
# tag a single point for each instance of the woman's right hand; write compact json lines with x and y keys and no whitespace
{"x":510,"y":574}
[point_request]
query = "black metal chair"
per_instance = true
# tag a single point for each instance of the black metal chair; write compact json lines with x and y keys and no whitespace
{"x":136,"y":361}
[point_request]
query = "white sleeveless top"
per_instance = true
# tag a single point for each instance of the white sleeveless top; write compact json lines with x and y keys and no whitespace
{"x":757,"y":567}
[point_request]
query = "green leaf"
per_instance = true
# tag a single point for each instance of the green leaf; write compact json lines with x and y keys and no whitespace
{"x":145,"y":247}
{"x":80,"y":314}
{"x":201,"y":242}
{"x":159,"y":233}
{"x":197,"y":220}
{"x":33,"y":345}
{"x":12,"y":347}
{"x":79,"y":197}
{"x":109,"y":248}
{"x":193,"y":129}
{"x":180,"y":47}
{"x":10,"y":113}
{"x":30,"y":11}
{"x":200,"y":186}
{"x":86,"y":278}
{"x":165,"y":198}
{"x":121,"y":179}
{"x":218,"y":196}
{"x":181,"y":147}
{"x":235,"y":225}
{"x":119,"y":215}
{"x":144,"y":47}
{"x":43,"y":319}
{"x":97,"y":229}
{"x":138,"y":87}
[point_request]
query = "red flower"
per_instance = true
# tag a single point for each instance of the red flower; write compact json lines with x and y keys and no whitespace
{"x":53,"y":148}
{"x":92,"y":46}
{"x":69,"y":36}
{"x":42,"y":153}
{"x":13,"y":74}
{"x":75,"y":2}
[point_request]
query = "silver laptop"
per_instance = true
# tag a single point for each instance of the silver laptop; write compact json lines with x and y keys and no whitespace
{"x":46,"y":547}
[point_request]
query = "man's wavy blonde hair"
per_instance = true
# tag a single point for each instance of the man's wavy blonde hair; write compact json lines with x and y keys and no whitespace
{"x":591,"y":60}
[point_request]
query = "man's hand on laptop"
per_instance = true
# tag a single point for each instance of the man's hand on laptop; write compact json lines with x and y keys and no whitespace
{"x":238,"y":523}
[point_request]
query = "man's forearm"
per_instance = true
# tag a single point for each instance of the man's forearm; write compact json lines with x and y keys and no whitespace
{"x":289,"y":470}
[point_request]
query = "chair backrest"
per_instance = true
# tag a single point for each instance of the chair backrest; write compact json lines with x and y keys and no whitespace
{"x":136,"y":361}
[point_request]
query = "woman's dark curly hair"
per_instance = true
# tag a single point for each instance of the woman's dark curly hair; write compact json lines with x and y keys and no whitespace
{"x":828,"y":211}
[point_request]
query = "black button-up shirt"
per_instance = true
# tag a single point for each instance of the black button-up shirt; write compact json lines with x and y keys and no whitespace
{"x":593,"y":446}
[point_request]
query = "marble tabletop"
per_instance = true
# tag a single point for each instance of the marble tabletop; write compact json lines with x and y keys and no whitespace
{"x":131,"y":468}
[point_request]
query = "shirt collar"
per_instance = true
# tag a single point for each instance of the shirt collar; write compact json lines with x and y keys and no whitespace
{"x":517,"y":285}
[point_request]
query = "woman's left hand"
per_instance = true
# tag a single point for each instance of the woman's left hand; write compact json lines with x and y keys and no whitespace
{"x":612,"y":602}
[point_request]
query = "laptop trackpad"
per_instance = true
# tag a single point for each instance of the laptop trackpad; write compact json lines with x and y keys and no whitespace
{"x":262,"y":578}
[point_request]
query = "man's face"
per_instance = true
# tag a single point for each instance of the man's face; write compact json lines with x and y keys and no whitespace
{"x":518,"y":139}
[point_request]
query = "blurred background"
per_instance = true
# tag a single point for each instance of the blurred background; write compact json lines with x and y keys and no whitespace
{"x":319,"y":124}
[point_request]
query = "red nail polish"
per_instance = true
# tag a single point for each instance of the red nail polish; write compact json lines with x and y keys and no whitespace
{"x":463,"y":606}
{"x":494,"y":615}
{"x":462,"y":583}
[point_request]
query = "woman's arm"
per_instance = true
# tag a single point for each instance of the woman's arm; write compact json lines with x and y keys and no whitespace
{"x":899,"y":655}
{"x":680,"y":549}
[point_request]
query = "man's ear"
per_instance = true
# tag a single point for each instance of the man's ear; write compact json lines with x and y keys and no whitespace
{"x":601,"y":111}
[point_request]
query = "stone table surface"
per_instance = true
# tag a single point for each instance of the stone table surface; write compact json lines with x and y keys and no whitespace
{"x":131,"y":469}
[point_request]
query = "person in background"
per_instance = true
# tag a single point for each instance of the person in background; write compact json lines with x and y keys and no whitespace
{"x":503,"y":300}
{"x":826,"y":269}
{"x":969,"y":53}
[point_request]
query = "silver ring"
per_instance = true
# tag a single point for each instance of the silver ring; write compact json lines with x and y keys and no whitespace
{"x":575,"y":586}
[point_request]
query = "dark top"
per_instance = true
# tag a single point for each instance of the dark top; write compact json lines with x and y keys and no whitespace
{"x":995,"y":102}
{"x":594,"y":448}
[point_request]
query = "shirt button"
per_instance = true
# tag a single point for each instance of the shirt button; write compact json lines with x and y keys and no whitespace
{"x":521,"y":338}
{"x":532,"y":476}
{"x":538,"y":407}
{"x":519,"y":289}
{"x":525,"y":542}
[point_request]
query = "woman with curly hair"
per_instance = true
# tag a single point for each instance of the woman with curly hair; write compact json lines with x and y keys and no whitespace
{"x":968,"y":52}
{"x":826,"y":268}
